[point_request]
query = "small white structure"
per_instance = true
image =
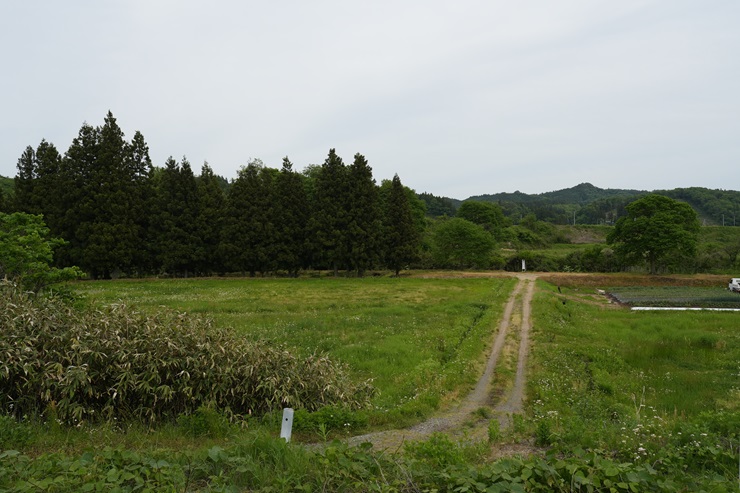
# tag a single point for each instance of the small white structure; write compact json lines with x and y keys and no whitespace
{"x":524,"y":265}
{"x":287,"y":428}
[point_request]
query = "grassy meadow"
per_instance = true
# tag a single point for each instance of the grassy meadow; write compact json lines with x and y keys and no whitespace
{"x":421,"y":341}
{"x":651,"y":387}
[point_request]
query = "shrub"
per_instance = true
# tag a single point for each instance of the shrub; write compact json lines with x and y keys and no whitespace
{"x":116,"y":363}
{"x":26,"y":252}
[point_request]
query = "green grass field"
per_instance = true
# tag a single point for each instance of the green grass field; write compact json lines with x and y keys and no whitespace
{"x":622,"y":380}
{"x":419,"y":340}
{"x":616,"y":400}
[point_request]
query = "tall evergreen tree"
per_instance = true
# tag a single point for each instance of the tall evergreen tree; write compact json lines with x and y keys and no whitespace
{"x":248,"y":239}
{"x":142,"y":196}
{"x":401,"y":234}
{"x":178,"y":245}
{"x":49,"y":186}
{"x":101,"y":198}
{"x":364,"y":223}
{"x":291,"y":214}
{"x":330,"y":220}
{"x":211,"y":202}
{"x":112,"y":233}
{"x":80,"y":198}
{"x":25,"y":181}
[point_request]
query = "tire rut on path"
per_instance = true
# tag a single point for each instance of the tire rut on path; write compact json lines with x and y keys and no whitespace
{"x":456,"y":420}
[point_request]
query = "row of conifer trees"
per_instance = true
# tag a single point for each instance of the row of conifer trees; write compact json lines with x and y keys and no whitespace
{"x":119,"y":214}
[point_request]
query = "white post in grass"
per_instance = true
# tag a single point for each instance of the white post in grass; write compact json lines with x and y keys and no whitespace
{"x":287,"y":428}
{"x":524,"y":265}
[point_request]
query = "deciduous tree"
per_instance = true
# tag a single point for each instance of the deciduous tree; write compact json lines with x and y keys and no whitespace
{"x":26,"y":252}
{"x":458,"y":244}
{"x":656,"y":230}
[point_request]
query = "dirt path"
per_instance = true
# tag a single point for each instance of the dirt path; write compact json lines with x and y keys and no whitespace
{"x":461,"y":420}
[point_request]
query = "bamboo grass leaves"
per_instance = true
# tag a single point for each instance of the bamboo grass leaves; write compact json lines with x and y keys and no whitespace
{"x":117,"y":364}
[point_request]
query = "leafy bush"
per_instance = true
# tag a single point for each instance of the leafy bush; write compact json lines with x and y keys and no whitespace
{"x":116,"y":363}
{"x":26,"y":252}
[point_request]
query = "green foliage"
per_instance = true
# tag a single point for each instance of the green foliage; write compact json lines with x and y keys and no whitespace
{"x":206,"y":421}
{"x":486,"y":214}
{"x":715,"y":207}
{"x":211,"y":203}
{"x":402,"y":236}
{"x":267,"y":464}
{"x":26,"y":253}
{"x":106,"y":470}
{"x":460,"y":244}
{"x":364,"y":234}
{"x":438,"y":206}
{"x":6,"y":186}
{"x":14,"y":433}
{"x":658,"y":230}
{"x":291,"y":214}
{"x":329,"y":418}
{"x":117,"y":364}
{"x":439,"y":452}
{"x":178,"y":243}
{"x":494,"y":431}
{"x":331,"y":214}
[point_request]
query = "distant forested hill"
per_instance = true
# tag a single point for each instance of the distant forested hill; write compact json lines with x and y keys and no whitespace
{"x":720,"y":207}
{"x":588,"y":204}
{"x":582,"y":194}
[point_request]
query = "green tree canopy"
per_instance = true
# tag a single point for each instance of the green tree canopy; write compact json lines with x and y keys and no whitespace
{"x":211,"y":207}
{"x":291,"y":213}
{"x":402,"y":238}
{"x":330,"y":220}
{"x":178,"y":243}
{"x":486,"y":214}
{"x":458,"y":244}
{"x":364,"y":221}
{"x":657,"y":230}
{"x":26,"y":252}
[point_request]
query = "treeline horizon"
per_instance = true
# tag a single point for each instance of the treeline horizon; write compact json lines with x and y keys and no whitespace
{"x":120,"y":215}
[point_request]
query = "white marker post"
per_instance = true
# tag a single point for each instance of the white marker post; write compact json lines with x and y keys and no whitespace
{"x":287,"y":428}
{"x":524,"y":265}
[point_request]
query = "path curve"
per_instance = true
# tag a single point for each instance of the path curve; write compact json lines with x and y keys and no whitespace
{"x":456,"y":421}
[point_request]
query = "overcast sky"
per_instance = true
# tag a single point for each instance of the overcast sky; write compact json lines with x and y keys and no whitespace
{"x":459,"y":98}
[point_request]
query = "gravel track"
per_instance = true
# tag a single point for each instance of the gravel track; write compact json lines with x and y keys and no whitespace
{"x":459,"y":420}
